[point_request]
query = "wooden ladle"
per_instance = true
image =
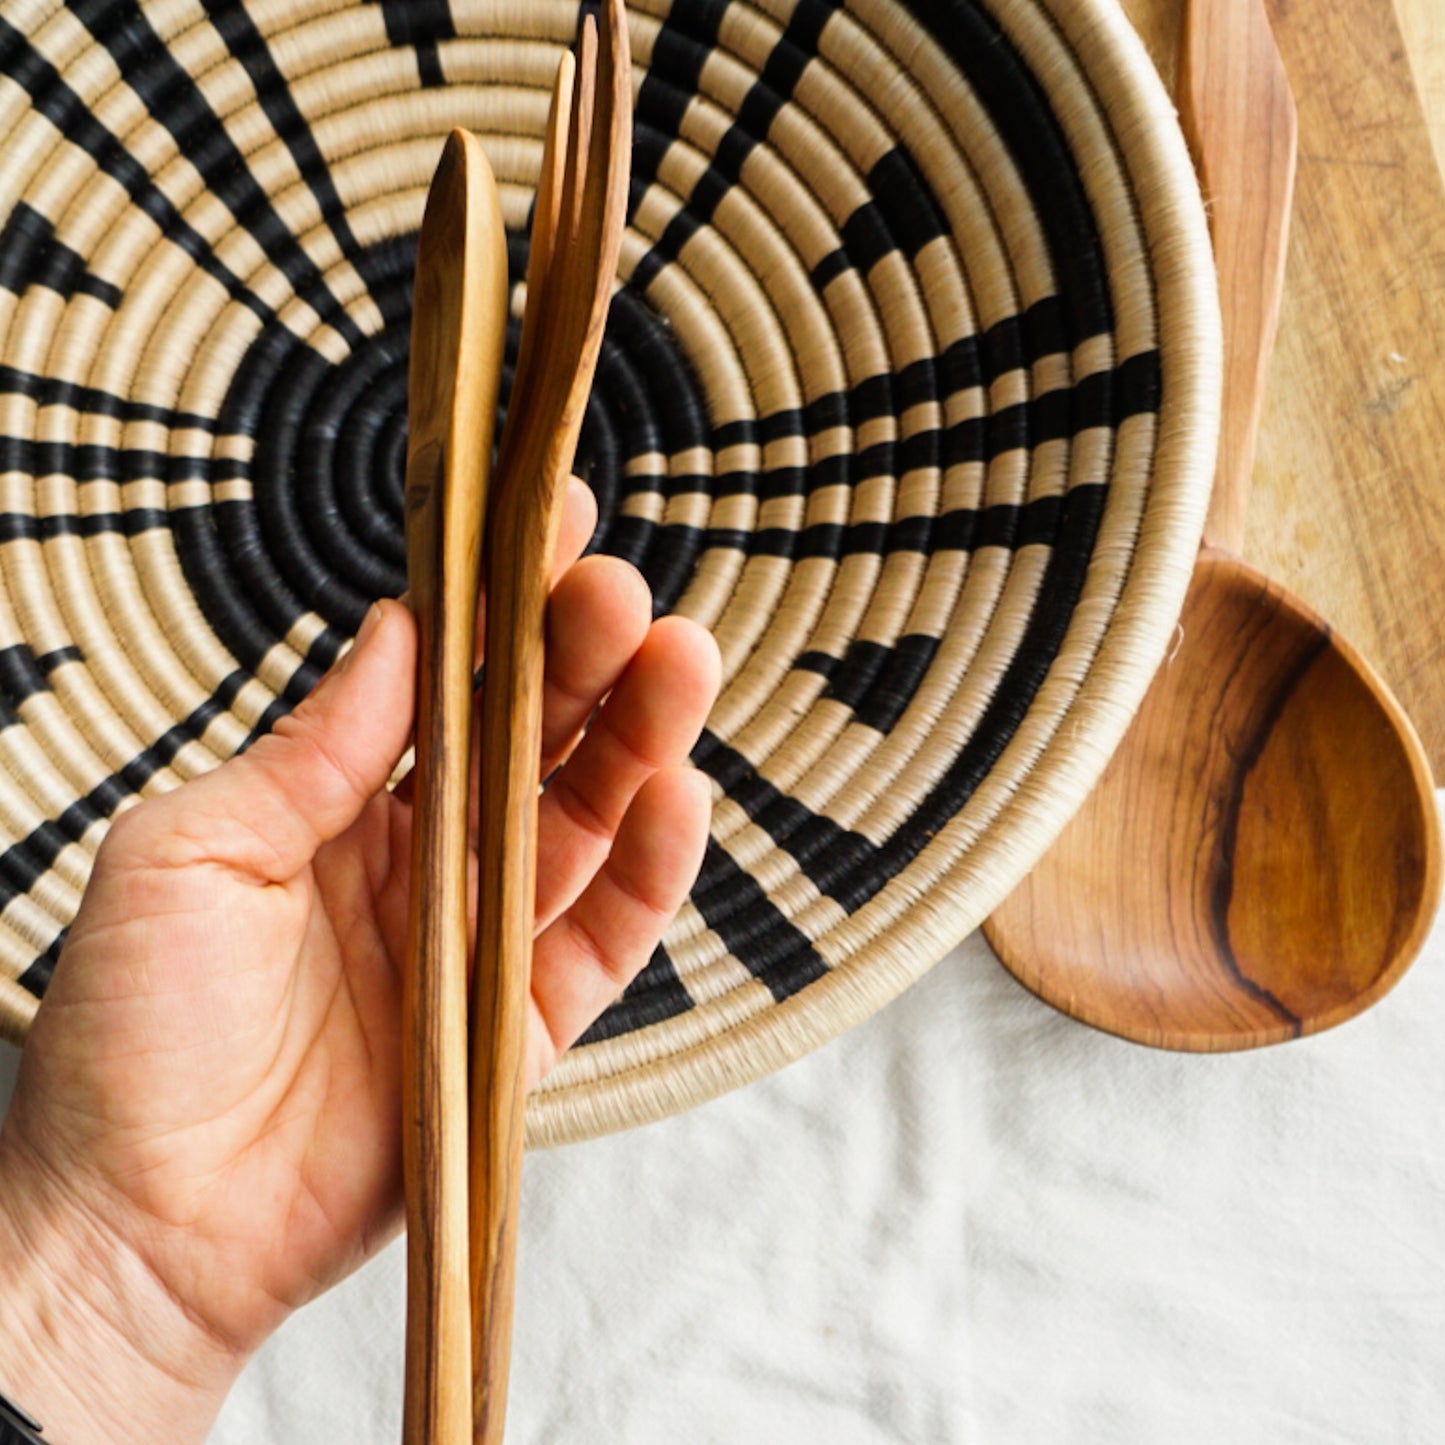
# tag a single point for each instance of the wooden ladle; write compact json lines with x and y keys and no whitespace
{"x":1262,"y":857}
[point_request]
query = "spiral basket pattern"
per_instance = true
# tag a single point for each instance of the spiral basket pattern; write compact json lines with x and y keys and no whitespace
{"x":907,"y":393}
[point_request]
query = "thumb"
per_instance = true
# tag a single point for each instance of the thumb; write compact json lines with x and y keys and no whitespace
{"x":266,"y":812}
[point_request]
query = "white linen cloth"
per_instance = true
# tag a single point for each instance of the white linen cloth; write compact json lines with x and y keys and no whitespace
{"x":969,"y":1220}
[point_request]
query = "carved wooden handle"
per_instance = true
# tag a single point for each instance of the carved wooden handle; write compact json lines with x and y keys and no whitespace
{"x":1239,"y":118}
{"x":458,"y":331}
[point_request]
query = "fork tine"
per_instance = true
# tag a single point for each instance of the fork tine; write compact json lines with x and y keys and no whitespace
{"x":610,"y":162}
{"x":548,"y":329}
{"x":579,"y":135}
{"x":543,"y":246}
{"x":604,"y":184}
{"x":554,"y":160}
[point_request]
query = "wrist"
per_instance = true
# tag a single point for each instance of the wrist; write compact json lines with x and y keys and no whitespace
{"x":91,"y":1342}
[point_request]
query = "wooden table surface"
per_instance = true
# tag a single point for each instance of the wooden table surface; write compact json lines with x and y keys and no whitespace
{"x":1349,"y":494}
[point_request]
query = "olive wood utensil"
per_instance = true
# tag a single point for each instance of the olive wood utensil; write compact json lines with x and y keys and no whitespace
{"x":458,"y":330}
{"x":576,"y":238}
{"x":1262,"y":857}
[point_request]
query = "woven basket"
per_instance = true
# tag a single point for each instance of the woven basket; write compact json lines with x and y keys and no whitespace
{"x":909,"y":394}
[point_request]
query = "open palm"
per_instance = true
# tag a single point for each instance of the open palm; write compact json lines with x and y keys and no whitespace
{"x":213,"y":1078}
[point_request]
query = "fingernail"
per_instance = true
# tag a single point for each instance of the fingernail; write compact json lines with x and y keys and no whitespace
{"x":368,"y":627}
{"x":369,"y":624}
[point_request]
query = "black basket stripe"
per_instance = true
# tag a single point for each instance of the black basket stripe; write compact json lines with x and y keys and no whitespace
{"x":176,"y":101}
{"x":70,"y":116}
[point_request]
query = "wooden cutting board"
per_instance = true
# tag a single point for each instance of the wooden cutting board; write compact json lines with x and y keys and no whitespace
{"x":1349,"y":498}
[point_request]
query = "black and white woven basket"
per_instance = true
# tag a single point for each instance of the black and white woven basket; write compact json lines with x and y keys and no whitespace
{"x":909,"y":394}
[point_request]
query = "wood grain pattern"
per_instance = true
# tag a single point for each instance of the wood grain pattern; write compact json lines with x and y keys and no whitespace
{"x":458,"y":328}
{"x":1348,"y":507}
{"x":1240,"y":122}
{"x":1262,"y":857}
{"x":1422,"y":32}
{"x":580,"y":215}
{"x":1260,"y":860}
{"x":507,"y":821}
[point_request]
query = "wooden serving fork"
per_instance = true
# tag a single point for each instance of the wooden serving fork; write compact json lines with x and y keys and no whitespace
{"x":576,"y":237}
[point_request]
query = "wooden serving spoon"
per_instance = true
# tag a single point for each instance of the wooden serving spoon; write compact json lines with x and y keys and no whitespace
{"x":1262,"y":857}
{"x":576,"y":238}
{"x":458,"y":331}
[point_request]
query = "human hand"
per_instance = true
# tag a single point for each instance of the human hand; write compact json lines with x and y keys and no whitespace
{"x":206,"y":1127}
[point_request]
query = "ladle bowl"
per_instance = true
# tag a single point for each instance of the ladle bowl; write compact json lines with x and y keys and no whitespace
{"x":1260,"y":861}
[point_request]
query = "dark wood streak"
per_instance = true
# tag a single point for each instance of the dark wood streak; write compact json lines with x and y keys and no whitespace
{"x":1275,"y":706}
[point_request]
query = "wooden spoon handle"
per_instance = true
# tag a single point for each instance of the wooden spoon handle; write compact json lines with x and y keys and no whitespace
{"x":458,"y":329}
{"x":1239,"y":118}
